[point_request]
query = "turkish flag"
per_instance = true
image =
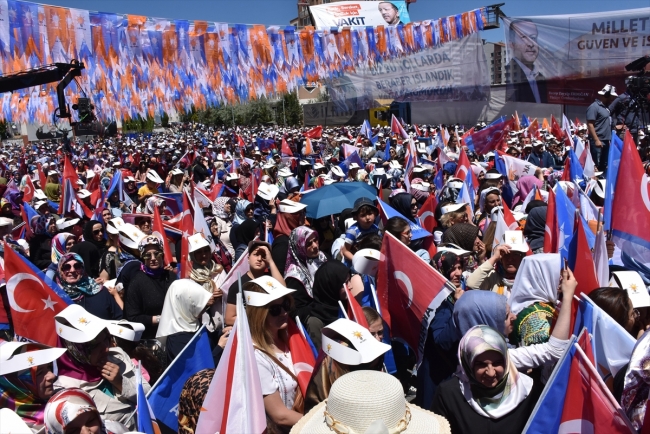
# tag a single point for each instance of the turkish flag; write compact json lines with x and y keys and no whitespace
{"x":34,"y":299}
{"x":581,"y":260}
{"x":396,"y":128}
{"x":355,"y":312}
{"x":551,"y":229}
{"x":286,"y":150}
{"x":187,"y":226}
{"x":158,"y":227}
{"x":465,"y":168}
{"x":427,"y":213}
{"x":409,"y":292}
{"x":314,"y":133}
{"x":42,"y":179}
{"x":28,"y":192}
{"x":588,"y":405}
{"x":556,"y":129}
{"x":301,"y":355}
{"x":631,"y":205}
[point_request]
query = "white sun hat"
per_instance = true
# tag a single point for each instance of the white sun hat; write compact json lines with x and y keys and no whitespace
{"x":153,"y":176}
{"x":515,"y":240}
{"x":631,"y":282}
{"x":285,"y":172}
{"x":365,"y":347}
{"x":366,"y":261}
{"x":113,"y":226}
{"x":197,"y":241}
{"x":16,"y":356}
{"x":274,"y":290}
{"x":337,"y":171}
{"x":369,"y":402}
{"x":76,"y":324}
{"x":267,"y":191}
{"x":290,"y":207}
{"x":131,"y":331}
{"x":130,"y":235}
{"x":452,"y":207}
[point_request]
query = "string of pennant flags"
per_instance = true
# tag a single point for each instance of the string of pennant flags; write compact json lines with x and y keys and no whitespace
{"x":137,"y":65}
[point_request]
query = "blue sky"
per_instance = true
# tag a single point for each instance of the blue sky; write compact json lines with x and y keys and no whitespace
{"x":279,"y":12}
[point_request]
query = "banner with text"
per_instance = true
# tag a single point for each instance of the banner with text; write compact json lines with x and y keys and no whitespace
{"x":360,"y":13}
{"x":456,"y":71}
{"x":566,"y":59}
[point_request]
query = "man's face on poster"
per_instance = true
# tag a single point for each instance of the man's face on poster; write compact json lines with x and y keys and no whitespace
{"x":524,"y":43}
{"x":389,"y":13}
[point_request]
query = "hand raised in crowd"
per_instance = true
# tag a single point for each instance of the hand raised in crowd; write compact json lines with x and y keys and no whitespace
{"x":223,"y":340}
{"x":568,"y":284}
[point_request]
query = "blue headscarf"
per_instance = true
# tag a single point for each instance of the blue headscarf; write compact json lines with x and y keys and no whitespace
{"x":478,"y":307}
{"x":240,"y":211}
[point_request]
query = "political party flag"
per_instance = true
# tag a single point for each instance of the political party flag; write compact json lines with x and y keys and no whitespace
{"x":387,"y":150}
{"x":28,"y":192}
{"x":234,"y":402}
{"x":396,"y":128}
{"x":240,"y":268}
{"x":314,"y":133}
{"x":34,"y":299}
{"x":613,"y":163}
{"x":386,"y":212}
{"x":355,"y":313}
{"x":525,"y":123}
{"x":631,"y":205}
{"x":613,"y":345}
{"x":427,"y":214}
{"x":305,"y":335}
{"x":309,"y":149}
{"x":500,"y":230}
{"x":117,"y":184}
{"x":164,"y":395}
{"x":513,"y":169}
{"x":601,"y":261}
{"x":157,"y":226}
{"x":589,"y":405}
{"x":147,"y":422}
{"x":575,"y":169}
{"x":490,"y":138}
{"x":366,"y":129}
{"x":302,"y":356}
{"x":70,"y":203}
{"x":187,"y":228}
{"x":200,"y":225}
{"x":551,"y":228}
{"x":565,"y":212}
{"x":408,"y":295}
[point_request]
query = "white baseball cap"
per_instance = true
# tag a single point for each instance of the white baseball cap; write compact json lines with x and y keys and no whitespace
{"x":130,"y":235}
{"x":83,"y":193}
{"x":365,"y":348}
{"x":274,"y":290}
{"x":452,"y":207}
{"x":197,"y":242}
{"x":176,"y":171}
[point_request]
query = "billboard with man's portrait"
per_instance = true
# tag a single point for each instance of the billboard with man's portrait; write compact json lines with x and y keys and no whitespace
{"x":566,"y":59}
{"x":360,"y":13}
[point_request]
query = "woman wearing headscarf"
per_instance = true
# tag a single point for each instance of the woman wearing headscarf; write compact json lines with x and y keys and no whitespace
{"x":246,"y":232}
{"x":61,"y":244}
{"x":636,"y":390}
{"x":289,"y":187}
{"x":327,"y":291}
{"x":407,"y":205}
{"x":26,"y":389}
{"x":154,"y":202}
{"x":488,"y":199}
{"x":525,"y":185}
{"x":92,"y":247}
{"x":466,"y":236}
{"x":303,"y":259}
{"x":221,"y":255}
{"x":96,"y":365}
{"x":84,"y":291}
{"x":73,"y":410}
{"x":222,"y":209}
{"x":498,"y":273}
{"x":419,"y":190}
{"x":40,"y":245}
{"x":534,"y":298}
{"x":290,"y":216}
{"x":535,"y":229}
{"x":243,"y":211}
{"x":487,"y":393}
{"x":184,"y":305}
{"x":145,"y":294}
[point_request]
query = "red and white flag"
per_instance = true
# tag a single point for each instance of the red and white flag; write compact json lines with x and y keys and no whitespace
{"x":157,"y":226}
{"x":427,"y":213}
{"x":28,"y":192}
{"x":408,"y":295}
{"x":396,"y":127}
{"x":301,"y":355}
{"x":589,"y":406}
{"x":234,"y":403}
{"x":240,"y":268}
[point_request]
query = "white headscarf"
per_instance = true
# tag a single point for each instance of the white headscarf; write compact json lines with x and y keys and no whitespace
{"x":537,"y":280}
{"x":184,"y":301}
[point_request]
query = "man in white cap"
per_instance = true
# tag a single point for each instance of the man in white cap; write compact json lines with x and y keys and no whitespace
{"x":599,"y":125}
{"x":151,"y":187}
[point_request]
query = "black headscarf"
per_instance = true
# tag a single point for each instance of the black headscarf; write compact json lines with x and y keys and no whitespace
{"x":402,"y":204}
{"x":88,"y":234}
{"x":534,"y":229}
{"x":90,"y":250}
{"x":246,"y":231}
{"x":328,"y":281}
{"x":461,"y":234}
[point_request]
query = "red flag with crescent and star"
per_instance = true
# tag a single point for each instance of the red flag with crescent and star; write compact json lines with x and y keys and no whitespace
{"x":408,"y":295}
{"x":427,"y":213}
{"x":33,"y":298}
{"x":28,"y":192}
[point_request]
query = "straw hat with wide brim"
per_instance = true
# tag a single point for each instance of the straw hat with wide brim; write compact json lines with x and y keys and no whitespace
{"x":363,"y":398}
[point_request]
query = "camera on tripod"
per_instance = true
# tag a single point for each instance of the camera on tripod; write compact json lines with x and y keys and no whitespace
{"x":638,"y":85}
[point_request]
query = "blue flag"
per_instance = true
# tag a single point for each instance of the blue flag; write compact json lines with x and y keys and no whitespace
{"x":165,"y":394}
{"x":417,"y":231}
{"x":565,"y":217}
{"x":366,"y":129}
{"x":352,"y":158}
{"x":577,"y":173}
{"x":524,"y":122}
{"x":506,"y":191}
{"x":613,"y":161}
{"x":387,"y":151}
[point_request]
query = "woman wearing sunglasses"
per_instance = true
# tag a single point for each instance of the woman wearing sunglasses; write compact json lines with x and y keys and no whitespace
{"x":146,"y":292}
{"x":267,"y":306}
{"x":84,"y":291}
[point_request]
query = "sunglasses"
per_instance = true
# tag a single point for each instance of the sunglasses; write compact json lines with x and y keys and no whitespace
{"x":77,"y":266}
{"x":276,"y":309}
{"x":98,"y":231}
{"x":152,"y":255}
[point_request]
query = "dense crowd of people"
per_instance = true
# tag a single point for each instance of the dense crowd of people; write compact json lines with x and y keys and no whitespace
{"x":490,"y":347}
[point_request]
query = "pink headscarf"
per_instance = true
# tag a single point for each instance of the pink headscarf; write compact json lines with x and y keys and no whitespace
{"x":525,"y":185}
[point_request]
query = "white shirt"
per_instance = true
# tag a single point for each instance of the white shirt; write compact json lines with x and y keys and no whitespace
{"x":275,"y":379}
{"x":531,"y":75}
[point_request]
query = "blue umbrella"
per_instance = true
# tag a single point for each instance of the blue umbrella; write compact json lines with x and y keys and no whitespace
{"x":334,"y":198}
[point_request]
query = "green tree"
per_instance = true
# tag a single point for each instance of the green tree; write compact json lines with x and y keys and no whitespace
{"x":289,"y":108}
{"x":164,"y":120}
